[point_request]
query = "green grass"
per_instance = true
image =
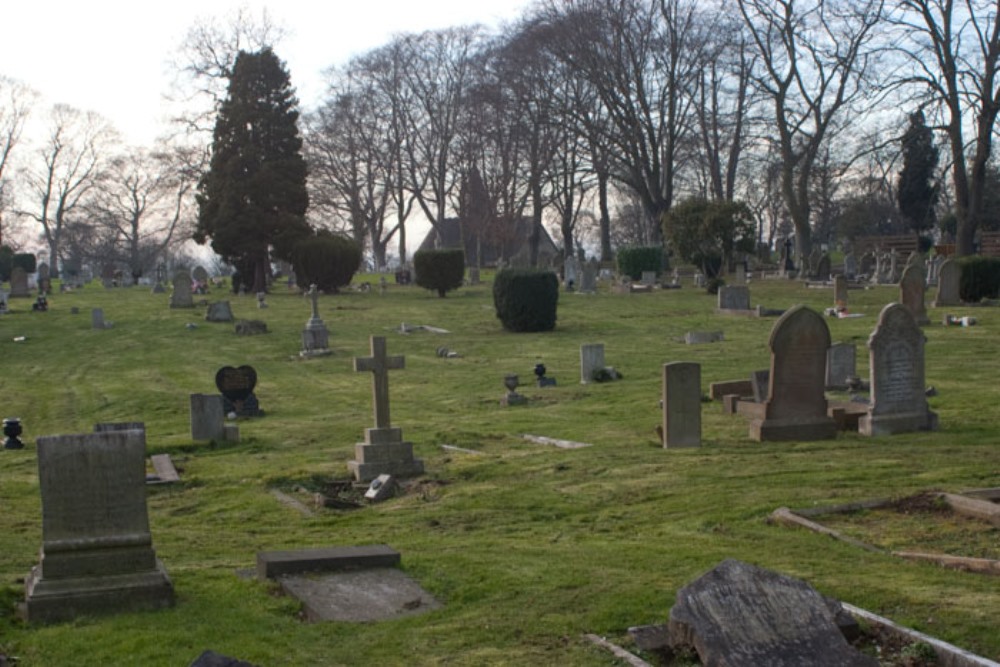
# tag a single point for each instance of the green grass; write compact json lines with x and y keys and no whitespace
{"x":527,"y":546}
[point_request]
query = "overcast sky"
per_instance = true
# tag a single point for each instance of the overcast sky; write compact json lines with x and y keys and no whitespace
{"x":110,"y":56}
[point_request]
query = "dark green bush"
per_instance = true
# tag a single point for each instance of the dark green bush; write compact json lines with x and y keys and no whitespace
{"x":440,"y":270}
{"x":26,"y":260}
{"x":526,"y":299}
{"x":980,"y":279}
{"x":633,"y":261}
{"x":326,"y":260}
{"x":6,"y":263}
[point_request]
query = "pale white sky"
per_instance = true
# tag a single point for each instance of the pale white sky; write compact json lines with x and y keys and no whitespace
{"x":110,"y":56}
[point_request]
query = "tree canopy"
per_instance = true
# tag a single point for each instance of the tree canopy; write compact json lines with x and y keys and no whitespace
{"x":918,"y":192}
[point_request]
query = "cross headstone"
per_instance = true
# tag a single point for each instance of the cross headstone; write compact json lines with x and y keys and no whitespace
{"x":949,"y":275}
{"x":384,"y":451}
{"x":796,"y":403}
{"x":19,"y":283}
{"x":681,"y":404}
{"x":315,"y":336}
{"x":841,"y":364}
{"x":181,"y":296}
{"x":97,"y":553}
{"x":591,"y":360}
{"x":896,"y":373}
{"x":911,"y":292}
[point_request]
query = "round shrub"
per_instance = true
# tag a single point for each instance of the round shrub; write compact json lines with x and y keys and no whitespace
{"x":980,"y":279}
{"x":633,"y":261}
{"x":526,"y":299}
{"x":440,"y":270}
{"x":326,"y":260}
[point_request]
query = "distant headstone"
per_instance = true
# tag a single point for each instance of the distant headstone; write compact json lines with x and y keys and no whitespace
{"x":236,"y":386}
{"x":315,"y":336}
{"x":200,"y":274}
{"x":850,"y":266}
{"x":648,"y":278}
{"x":740,"y":614}
{"x":681,"y":404}
{"x":97,"y":553}
{"x":821,"y":270}
{"x":840,"y":291}
{"x":571,"y":272}
{"x":44,"y":279}
{"x":220,"y":311}
{"x":207,"y":417}
{"x":383,"y":451}
{"x":588,"y":282}
{"x":934,"y":268}
{"x":894,"y":267}
{"x":911,"y":293}
{"x":3,"y":302}
{"x":867,"y":265}
{"x":896,"y":373}
{"x":181,"y":296}
{"x":949,"y":275}
{"x":97,"y":318}
{"x":261,"y":300}
{"x":19,"y":283}
{"x":474,"y":278}
{"x":841,"y":364}
{"x":591,"y":361}
{"x":734,"y":297}
{"x":796,"y":404}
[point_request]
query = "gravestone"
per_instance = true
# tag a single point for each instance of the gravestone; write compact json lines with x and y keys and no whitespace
{"x":734,"y":297}
{"x":220,"y":311}
{"x":588,"y":282}
{"x":812,"y":263}
{"x":648,"y":278}
{"x":97,"y":318}
{"x":911,"y":293}
{"x":3,"y":302}
{"x":383,"y":451}
{"x":315,"y":336}
{"x":867,"y":265}
{"x":236,"y":386}
{"x":948,"y":277}
{"x":158,"y":288}
{"x":571,"y":273}
{"x":850,"y":266}
{"x":822,"y":267}
{"x":44,"y":278}
{"x":19,"y":283}
{"x":207,"y":417}
{"x":898,"y":401}
{"x":591,"y":360}
{"x":97,"y":553}
{"x":796,"y":403}
{"x":200,"y":274}
{"x":181,"y":295}
{"x":740,"y":615}
{"x":681,"y":404}
{"x":934,"y":268}
{"x":474,"y":278}
{"x":841,"y":364}
{"x":840,"y":292}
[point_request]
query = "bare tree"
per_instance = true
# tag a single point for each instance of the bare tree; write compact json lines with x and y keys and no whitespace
{"x":65,"y":172}
{"x":16,"y":101}
{"x":955,"y":50}
{"x":815,"y":60}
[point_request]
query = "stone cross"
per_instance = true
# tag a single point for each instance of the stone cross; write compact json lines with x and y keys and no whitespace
{"x":314,"y":295}
{"x":379,"y":364}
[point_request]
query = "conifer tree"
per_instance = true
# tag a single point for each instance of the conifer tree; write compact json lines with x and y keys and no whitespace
{"x":918,"y":192}
{"x":252,"y":201}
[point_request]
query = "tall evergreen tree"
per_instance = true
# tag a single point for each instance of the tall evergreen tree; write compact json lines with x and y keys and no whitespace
{"x":253,"y":199}
{"x":918,"y":191}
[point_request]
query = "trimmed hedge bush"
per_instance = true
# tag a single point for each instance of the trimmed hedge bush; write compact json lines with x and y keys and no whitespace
{"x":328,"y":260}
{"x":633,"y":261}
{"x":440,"y":270}
{"x":526,"y":299}
{"x":980,"y":279}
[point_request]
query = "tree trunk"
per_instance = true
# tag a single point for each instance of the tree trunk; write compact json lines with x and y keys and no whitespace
{"x":605,"y":220}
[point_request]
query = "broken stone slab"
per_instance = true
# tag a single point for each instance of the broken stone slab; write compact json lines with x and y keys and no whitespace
{"x":273,"y":564}
{"x":740,"y":614}
{"x":358,"y":596}
{"x":164,"y":468}
{"x":555,"y":442}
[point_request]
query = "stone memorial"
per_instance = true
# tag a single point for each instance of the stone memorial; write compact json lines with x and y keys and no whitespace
{"x":681,"y":404}
{"x":158,"y":288}
{"x":934,"y":268}
{"x":867,"y":264}
{"x":315,"y":336}
{"x":821,"y":270}
{"x":840,"y":292}
{"x":97,"y":318}
{"x":3,"y":302}
{"x":571,"y":273}
{"x":591,"y":361}
{"x":911,"y":293}
{"x":898,"y":402}
{"x":588,"y":282}
{"x":894,"y":269}
{"x":850,"y":266}
{"x":200,"y":275}
{"x":796,"y":403}
{"x":236,"y":386}
{"x":648,"y":278}
{"x":44,"y":278}
{"x":220,"y":311}
{"x":97,"y":554}
{"x":841,"y":364}
{"x":734,"y":297}
{"x":208,"y":417}
{"x":474,"y":278}
{"x":741,"y":615}
{"x":949,"y":275}
{"x":383,"y":451}
{"x":19,"y":284}
{"x":180,"y":297}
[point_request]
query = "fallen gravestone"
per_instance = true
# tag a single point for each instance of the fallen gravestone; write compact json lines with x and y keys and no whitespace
{"x":699,"y":337}
{"x":236,"y":386}
{"x":739,"y":614}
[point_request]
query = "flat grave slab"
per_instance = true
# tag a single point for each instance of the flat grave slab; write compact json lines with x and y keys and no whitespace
{"x":273,"y":564}
{"x":358,"y":596}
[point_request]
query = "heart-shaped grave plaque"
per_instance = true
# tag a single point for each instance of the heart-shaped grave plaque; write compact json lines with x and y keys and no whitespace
{"x":236,"y":384}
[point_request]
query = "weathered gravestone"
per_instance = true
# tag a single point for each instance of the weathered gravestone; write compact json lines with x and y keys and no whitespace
{"x":841,"y":364}
{"x":3,"y":302}
{"x":850,"y":266}
{"x":896,"y":372}
{"x":699,"y":337}
{"x":180,"y":297}
{"x":236,"y":386}
{"x":588,"y":282}
{"x":207,"y":417}
{"x":315,"y":337}
{"x":97,"y":554}
{"x":571,"y":273}
{"x":19,"y":283}
{"x":648,"y":278}
{"x":840,"y":292}
{"x":796,"y":403}
{"x":44,"y":278}
{"x":200,"y":275}
{"x":681,"y":404}
{"x":911,"y":293}
{"x":741,"y":615}
{"x":591,"y":361}
{"x":734,"y":297}
{"x":250,"y":327}
{"x":220,"y":311}
{"x":949,"y":275}
{"x":821,"y":270}
{"x":383,"y":451}
{"x":97,"y":318}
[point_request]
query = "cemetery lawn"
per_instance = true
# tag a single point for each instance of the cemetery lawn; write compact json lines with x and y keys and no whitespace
{"x":527,"y":546}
